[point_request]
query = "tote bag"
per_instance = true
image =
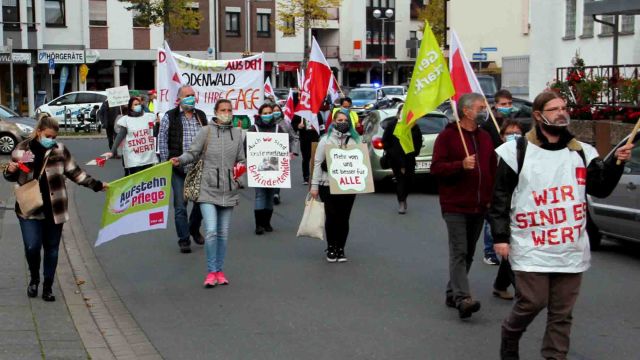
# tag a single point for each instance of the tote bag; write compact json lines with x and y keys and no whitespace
{"x":312,"y":224}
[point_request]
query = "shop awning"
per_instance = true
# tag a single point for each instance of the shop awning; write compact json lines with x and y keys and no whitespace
{"x":288,"y":66}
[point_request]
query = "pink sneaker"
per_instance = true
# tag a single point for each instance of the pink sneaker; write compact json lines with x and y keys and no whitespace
{"x":222,"y":280}
{"x":211,"y":280}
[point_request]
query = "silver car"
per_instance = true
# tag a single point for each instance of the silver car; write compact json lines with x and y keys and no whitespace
{"x":618,"y":215}
{"x":430,"y":126}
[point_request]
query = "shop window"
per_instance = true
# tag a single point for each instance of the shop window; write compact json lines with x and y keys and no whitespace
{"x":232,"y":24}
{"x":264,"y":28}
{"x":628,"y":24}
{"x":11,"y":14}
{"x":97,"y":13}
{"x":54,"y":14}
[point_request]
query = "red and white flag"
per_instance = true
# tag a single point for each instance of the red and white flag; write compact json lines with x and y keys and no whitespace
{"x":314,"y":87}
{"x":462,"y":75}
{"x":288,"y":107}
{"x":334,"y":89}
{"x":268,"y":89}
{"x":170,"y":83}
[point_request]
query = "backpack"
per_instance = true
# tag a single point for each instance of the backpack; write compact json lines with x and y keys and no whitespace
{"x":521,"y":149}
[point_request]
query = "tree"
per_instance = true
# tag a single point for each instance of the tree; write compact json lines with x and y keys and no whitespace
{"x":434,"y":14}
{"x":294,"y":14}
{"x":177,"y":16}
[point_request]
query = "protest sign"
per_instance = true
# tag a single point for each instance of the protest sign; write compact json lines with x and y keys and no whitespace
{"x":349,"y":169}
{"x":240,"y":80}
{"x":118,"y":96}
{"x":136,"y":203}
{"x":268,"y":162}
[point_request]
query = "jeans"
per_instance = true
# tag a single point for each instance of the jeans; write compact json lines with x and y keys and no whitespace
{"x":264,"y":198}
{"x":488,"y":240}
{"x":216,"y":224}
{"x":36,"y":235}
{"x":337,"y":210}
{"x":464,"y":231}
{"x":184,"y":227}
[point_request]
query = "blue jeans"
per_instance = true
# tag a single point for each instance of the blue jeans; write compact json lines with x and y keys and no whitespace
{"x":184,"y":227}
{"x":216,"y":223}
{"x":488,"y":240}
{"x":36,"y":235}
{"x":264,"y":198}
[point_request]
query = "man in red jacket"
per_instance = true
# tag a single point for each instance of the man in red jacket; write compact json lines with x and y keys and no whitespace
{"x":465,"y":187}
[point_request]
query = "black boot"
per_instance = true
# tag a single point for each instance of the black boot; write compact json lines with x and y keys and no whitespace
{"x":47,"y":293}
{"x":259,"y":215}
{"x":267,"y":220}
{"x":509,"y":347}
{"x":32,"y":289}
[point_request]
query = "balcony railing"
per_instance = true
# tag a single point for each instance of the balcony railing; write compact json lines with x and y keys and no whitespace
{"x":331,"y":52}
{"x":600,"y":85}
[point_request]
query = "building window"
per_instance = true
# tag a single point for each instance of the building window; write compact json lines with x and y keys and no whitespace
{"x":376,"y":3}
{"x":392,"y":4}
{"x":383,"y":3}
{"x":606,"y":30}
{"x":232,"y":24}
{"x":290,"y":26}
{"x":628,"y":24}
{"x":11,"y":14}
{"x":31,"y":15}
{"x":587,"y":23}
{"x":97,"y":13}
{"x":570,"y":19}
{"x":54,"y":14}
{"x":413,"y":35}
{"x":195,"y":8}
{"x":264,"y":27}
{"x":138,"y":21}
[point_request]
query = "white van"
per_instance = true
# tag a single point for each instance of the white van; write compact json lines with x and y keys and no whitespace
{"x":73,"y":102}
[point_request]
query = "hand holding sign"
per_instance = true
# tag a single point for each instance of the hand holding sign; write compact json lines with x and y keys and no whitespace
{"x":349,"y":170}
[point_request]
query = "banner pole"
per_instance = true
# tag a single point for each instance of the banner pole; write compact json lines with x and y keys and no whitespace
{"x":491,"y":114}
{"x":631,"y":136}
{"x":455,"y":114}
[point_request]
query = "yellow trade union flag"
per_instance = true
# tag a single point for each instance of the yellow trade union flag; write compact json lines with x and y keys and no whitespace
{"x":430,"y":86}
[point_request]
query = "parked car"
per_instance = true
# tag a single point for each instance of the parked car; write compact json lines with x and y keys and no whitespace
{"x":13,"y":129}
{"x":395,"y":92}
{"x":430,"y":125}
{"x":488,"y":85}
{"x":365,"y":100}
{"x":73,"y":102}
{"x":618,"y":216}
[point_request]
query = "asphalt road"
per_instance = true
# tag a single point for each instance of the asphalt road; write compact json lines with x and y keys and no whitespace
{"x":387,"y":302}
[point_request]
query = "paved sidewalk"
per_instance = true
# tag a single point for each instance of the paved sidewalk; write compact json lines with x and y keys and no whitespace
{"x":29,"y":328}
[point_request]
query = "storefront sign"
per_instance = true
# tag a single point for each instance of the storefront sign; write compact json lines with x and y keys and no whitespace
{"x":18,"y":58}
{"x":61,"y":56}
{"x":349,"y":169}
{"x":268,"y":163}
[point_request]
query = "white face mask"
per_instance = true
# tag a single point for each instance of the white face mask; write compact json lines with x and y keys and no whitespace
{"x":225,"y":118}
{"x":563,"y":123}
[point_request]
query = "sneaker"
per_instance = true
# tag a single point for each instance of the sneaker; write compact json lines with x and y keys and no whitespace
{"x":222,"y":280}
{"x":184,"y":248}
{"x":211,"y":280}
{"x":331,"y":255}
{"x":276,"y":199}
{"x":340,"y":256}
{"x":468,"y":306}
{"x":306,"y":182}
{"x":502,"y":294}
{"x":491,"y":260}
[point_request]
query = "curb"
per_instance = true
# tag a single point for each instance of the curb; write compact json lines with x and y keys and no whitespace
{"x":106,"y":327}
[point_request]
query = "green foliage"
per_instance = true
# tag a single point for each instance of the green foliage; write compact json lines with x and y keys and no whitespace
{"x":434,"y":14}
{"x":175,"y":15}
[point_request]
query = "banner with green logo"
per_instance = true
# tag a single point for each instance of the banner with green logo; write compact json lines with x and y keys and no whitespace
{"x":137,"y":203}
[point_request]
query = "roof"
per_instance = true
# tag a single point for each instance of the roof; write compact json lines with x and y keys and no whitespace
{"x":612,"y":7}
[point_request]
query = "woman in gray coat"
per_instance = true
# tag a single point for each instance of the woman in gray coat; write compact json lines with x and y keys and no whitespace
{"x":220,"y":146}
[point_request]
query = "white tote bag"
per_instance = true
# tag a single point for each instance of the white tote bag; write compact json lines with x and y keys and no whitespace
{"x":312,"y":224}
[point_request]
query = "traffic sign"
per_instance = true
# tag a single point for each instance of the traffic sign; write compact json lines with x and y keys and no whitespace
{"x":479,"y":57}
{"x":489,"y":49}
{"x":52,"y":64}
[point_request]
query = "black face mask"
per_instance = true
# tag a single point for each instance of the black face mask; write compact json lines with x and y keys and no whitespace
{"x":342,"y":127}
{"x":553,"y":130}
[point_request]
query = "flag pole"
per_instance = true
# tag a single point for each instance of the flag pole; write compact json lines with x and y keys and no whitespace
{"x":491,"y":114}
{"x":631,"y":136}
{"x":337,"y":83}
{"x":455,"y":114}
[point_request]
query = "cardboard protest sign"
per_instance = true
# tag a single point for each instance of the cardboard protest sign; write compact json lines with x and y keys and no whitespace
{"x":268,"y":162}
{"x":118,"y":96}
{"x":136,"y":203}
{"x":349,"y":169}
{"x":239,"y":80}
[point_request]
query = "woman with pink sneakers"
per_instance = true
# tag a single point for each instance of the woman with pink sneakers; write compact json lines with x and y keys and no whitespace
{"x":220,"y":146}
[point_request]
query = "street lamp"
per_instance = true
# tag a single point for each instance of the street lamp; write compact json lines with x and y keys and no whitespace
{"x":388,"y":14}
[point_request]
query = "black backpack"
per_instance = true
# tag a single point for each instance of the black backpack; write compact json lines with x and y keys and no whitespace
{"x":521,"y":149}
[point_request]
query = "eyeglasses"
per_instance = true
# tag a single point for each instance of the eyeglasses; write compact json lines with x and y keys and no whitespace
{"x":556,"y":109}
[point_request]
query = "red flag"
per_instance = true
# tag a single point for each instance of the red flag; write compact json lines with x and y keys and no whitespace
{"x":314,"y":88}
{"x":268,"y":89}
{"x":288,"y":107}
{"x":462,"y":75}
{"x":334,"y":89}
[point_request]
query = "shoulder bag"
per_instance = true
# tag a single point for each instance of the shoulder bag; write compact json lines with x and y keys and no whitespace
{"x":28,"y":195}
{"x":194,"y":176}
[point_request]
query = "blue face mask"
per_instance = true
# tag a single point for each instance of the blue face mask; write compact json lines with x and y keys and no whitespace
{"x":277,"y":115}
{"x":137,"y":108}
{"x":506,"y":111}
{"x":512,"y":137}
{"x":266,"y":118}
{"x":47,"y":143}
{"x":188,"y":103}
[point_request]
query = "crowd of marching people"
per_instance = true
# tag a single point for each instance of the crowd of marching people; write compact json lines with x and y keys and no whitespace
{"x":486,"y":165}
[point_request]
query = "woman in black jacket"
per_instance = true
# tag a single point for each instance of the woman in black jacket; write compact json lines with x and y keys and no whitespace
{"x":403,"y":165}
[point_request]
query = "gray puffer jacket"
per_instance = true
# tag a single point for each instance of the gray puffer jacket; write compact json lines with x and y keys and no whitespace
{"x":224,"y":151}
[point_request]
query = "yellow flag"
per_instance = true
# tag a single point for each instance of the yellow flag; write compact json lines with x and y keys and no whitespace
{"x":430,"y":85}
